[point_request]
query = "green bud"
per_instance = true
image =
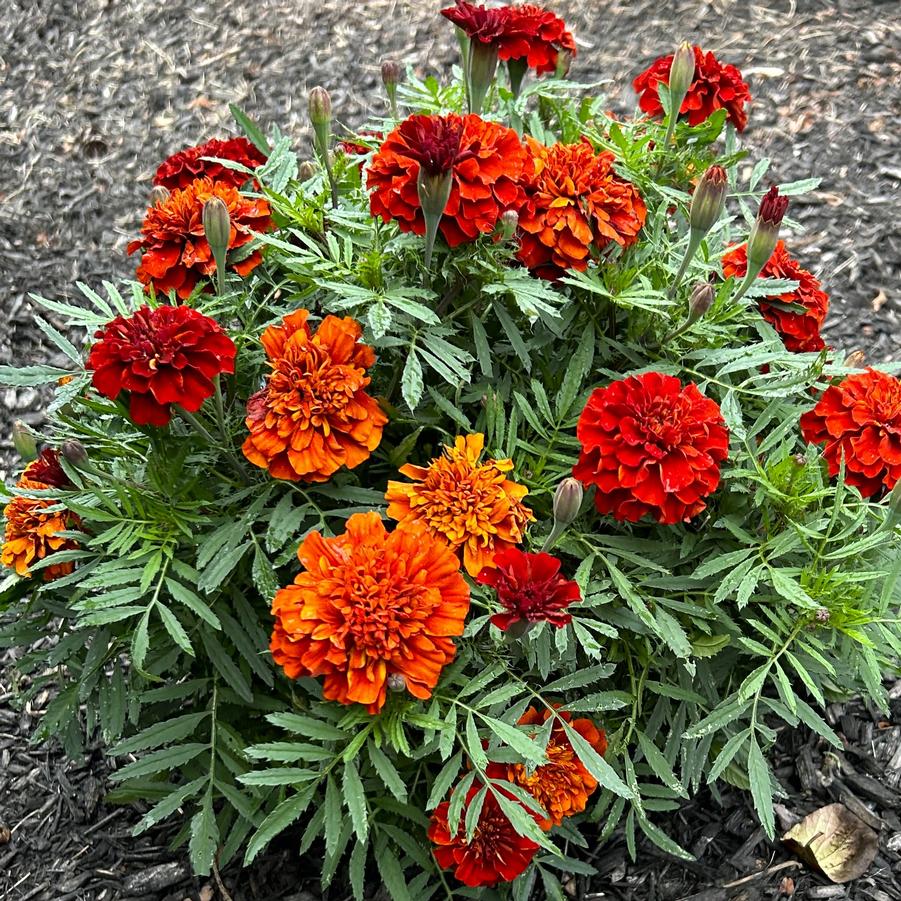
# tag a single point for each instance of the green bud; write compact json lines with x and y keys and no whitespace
{"x":306,"y":170}
{"x":509,"y":224}
{"x":480,"y":73}
{"x":567,"y":501}
{"x":158,"y":195}
{"x":765,"y":231}
{"x":75,"y":453}
{"x":392,"y":74}
{"x":681,"y":75}
{"x":701,"y":300}
{"x":708,"y":200}
{"x":23,"y":441}
{"x":320,"y":106}
{"x":396,"y":682}
{"x":217,"y":229}
{"x":434,"y":192}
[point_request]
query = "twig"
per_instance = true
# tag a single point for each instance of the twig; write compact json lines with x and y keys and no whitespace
{"x":767,"y":872}
{"x":222,"y":889}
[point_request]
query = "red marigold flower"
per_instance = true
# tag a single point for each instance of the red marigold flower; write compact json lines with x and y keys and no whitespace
{"x":575,"y":202}
{"x":487,"y":161}
{"x":351,"y":147}
{"x":161,"y":357}
{"x":561,"y":786}
{"x":314,"y":415}
{"x":496,"y":852}
{"x":651,"y":446}
{"x":32,"y":532}
{"x":370,"y":605}
{"x":859,"y":419}
{"x":468,"y":504}
{"x":799,"y":327}
{"x":480,"y":23}
{"x":716,"y":86}
{"x":175,"y":252}
{"x":530,"y":588}
{"x":180,"y":169}
{"x":47,"y":470}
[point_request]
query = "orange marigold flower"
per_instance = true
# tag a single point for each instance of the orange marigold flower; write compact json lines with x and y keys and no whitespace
{"x":175,"y":252}
{"x":575,"y":202}
{"x":313,"y":416}
{"x":470,"y":505}
{"x":180,"y":169}
{"x":561,"y":786}
{"x":32,"y":532}
{"x":487,"y":161}
{"x":371,"y":605}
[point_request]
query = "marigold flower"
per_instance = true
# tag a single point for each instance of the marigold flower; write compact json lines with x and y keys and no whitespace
{"x":487,"y":162}
{"x":32,"y":528}
{"x":161,"y":356}
{"x":575,"y":202}
{"x":651,"y":447}
{"x":561,"y":786}
{"x":496,"y":853}
{"x":370,"y":605}
{"x":175,"y":252}
{"x":314,"y":415}
{"x":799,"y":326}
{"x":529,"y":588}
{"x":47,"y":470}
{"x":715,"y":86}
{"x":470,"y":505}
{"x":182,"y":168}
{"x":859,"y":420}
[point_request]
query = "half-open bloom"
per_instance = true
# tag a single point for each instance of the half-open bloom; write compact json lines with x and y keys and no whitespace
{"x":796,"y":315}
{"x":160,"y":357}
{"x":180,"y":169}
{"x":715,"y":86}
{"x":859,"y":420}
{"x":530,"y":588}
{"x":561,"y":786}
{"x":651,"y":447}
{"x":314,"y":415}
{"x":575,"y":203}
{"x":175,"y":254}
{"x":468,"y":504}
{"x":487,"y":162}
{"x":496,"y":852}
{"x":369,"y":605}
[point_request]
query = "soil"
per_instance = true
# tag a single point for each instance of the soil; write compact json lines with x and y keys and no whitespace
{"x":95,"y":93}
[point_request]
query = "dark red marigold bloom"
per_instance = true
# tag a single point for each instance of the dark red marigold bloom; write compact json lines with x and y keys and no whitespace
{"x":799,"y":327}
{"x":496,"y":852}
{"x":651,"y":447}
{"x":860,"y":419}
{"x":715,"y":86}
{"x":772,"y":207}
{"x":180,"y":169}
{"x":487,"y":160}
{"x":480,"y":23}
{"x":47,"y":470}
{"x":530,"y":588}
{"x":164,"y":356}
{"x":175,"y":251}
{"x":535,"y":35}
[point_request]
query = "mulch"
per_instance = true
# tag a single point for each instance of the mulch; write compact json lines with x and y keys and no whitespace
{"x":96,"y":92}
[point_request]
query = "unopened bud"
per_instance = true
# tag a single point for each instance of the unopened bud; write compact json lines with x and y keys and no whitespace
{"x":681,"y":75}
{"x":391,"y":74}
{"x":701,"y":300}
{"x":306,"y":170}
{"x":217,"y":226}
{"x":509,"y":224}
{"x":24,"y":443}
{"x":855,"y":359}
{"x":320,"y":106}
{"x":396,"y":682}
{"x":74,"y":452}
{"x":481,"y":66}
{"x":800,"y":460}
{"x":434,"y":193}
{"x":765,"y":231}
{"x":823,"y":615}
{"x":708,"y":200}
{"x":567,"y":501}
{"x":158,"y":195}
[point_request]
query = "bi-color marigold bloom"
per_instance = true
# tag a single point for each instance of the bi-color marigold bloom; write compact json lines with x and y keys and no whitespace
{"x":32,"y":530}
{"x":715,"y":86}
{"x":859,"y":420}
{"x":180,"y":169}
{"x":175,"y":254}
{"x":575,"y":203}
{"x":160,"y":357}
{"x":314,"y":415}
{"x":487,"y":162}
{"x":799,"y":326}
{"x":530,"y":588}
{"x":651,"y":447}
{"x":561,"y":786}
{"x":496,"y":853}
{"x":368,"y":606}
{"x":468,"y":504}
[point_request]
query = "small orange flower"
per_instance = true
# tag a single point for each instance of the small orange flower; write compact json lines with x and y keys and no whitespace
{"x":468,"y":504}
{"x":32,"y":533}
{"x":371,"y":605}
{"x":563,"y":785}
{"x":313,"y":416}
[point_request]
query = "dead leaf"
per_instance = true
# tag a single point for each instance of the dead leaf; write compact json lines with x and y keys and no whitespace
{"x":834,"y":841}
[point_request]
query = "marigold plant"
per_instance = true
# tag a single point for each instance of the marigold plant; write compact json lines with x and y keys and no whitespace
{"x":459,"y":499}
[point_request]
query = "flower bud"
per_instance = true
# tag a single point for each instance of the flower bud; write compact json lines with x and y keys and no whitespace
{"x":765,"y":231}
{"x":396,"y":682}
{"x":855,"y":359}
{"x":306,"y":170}
{"x":482,"y":64}
{"x":23,"y":441}
{"x":708,"y":200}
{"x":434,"y":193}
{"x":823,"y":615}
{"x":217,"y":226}
{"x":701,"y":300}
{"x":392,"y":74}
{"x":158,"y":195}
{"x":567,"y":501}
{"x":320,"y":107}
{"x":681,"y":75}
{"x":509,"y":224}
{"x":74,"y":452}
